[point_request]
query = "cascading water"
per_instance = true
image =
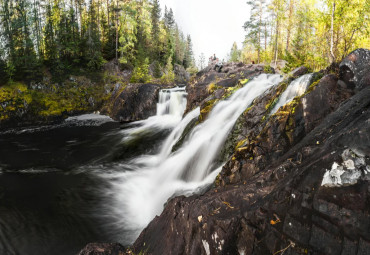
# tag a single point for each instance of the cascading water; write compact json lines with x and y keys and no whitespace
{"x":145,"y":184}
{"x":296,"y":88}
{"x":170,"y":108}
{"x":172,"y":102}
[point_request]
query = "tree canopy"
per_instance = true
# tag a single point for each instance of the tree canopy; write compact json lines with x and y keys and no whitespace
{"x":65,"y":36}
{"x":311,"y":32}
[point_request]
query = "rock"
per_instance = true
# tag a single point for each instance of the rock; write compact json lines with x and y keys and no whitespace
{"x":103,"y":249}
{"x":133,"y":102}
{"x":299,"y":71}
{"x":280,"y":64}
{"x":230,"y":75}
{"x":354,"y":69}
{"x":268,"y":196}
{"x":181,"y":75}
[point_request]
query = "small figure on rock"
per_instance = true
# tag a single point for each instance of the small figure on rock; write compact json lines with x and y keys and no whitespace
{"x":218,"y":66}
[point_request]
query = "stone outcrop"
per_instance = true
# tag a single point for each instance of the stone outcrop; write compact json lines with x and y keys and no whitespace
{"x":268,"y":197}
{"x":297,"y":181}
{"x":207,"y":80}
{"x":299,"y":71}
{"x":133,"y":102}
{"x":354,"y":69}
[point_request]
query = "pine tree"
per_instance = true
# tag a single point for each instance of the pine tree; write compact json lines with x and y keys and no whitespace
{"x":188,"y":58}
{"x":234,"y":53}
{"x":255,"y":26}
{"x":169,"y":19}
{"x":93,"y":53}
{"x":155,"y":17}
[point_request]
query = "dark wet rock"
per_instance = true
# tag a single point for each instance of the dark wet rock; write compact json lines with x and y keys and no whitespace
{"x":199,"y":91}
{"x":133,"y":102}
{"x":282,"y":206}
{"x":103,"y":249}
{"x":354,"y":69}
{"x":299,"y":71}
{"x":269,"y":196}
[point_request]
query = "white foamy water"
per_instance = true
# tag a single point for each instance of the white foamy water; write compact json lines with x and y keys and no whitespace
{"x":171,"y":107}
{"x":296,"y":88}
{"x":139,"y":194}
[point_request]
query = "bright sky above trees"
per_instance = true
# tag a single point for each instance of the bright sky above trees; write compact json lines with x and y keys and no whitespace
{"x":214,"y":25}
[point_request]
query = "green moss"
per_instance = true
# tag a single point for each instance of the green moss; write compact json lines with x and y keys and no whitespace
{"x":212,"y":87}
{"x":207,"y":109}
{"x":268,"y":69}
{"x":51,"y":101}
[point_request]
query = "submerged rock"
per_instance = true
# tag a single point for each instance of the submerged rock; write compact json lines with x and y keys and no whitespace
{"x":103,"y":249}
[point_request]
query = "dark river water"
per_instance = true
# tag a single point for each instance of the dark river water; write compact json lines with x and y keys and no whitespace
{"x":50,"y":195}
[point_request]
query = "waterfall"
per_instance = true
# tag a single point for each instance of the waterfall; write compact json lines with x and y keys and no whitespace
{"x":296,"y":88}
{"x":172,"y":101}
{"x":140,"y":192}
{"x":170,"y":108}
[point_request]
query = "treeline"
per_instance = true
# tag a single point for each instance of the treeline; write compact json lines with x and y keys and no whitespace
{"x":65,"y":36}
{"x":311,"y":32}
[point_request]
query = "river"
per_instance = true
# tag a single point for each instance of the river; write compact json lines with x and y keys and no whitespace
{"x":90,"y":179}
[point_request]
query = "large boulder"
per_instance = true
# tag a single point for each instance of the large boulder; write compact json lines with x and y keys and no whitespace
{"x":133,"y":102}
{"x":299,"y":71}
{"x":354,"y":69}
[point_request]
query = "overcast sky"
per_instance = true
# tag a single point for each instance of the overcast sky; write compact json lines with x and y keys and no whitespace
{"x":213,"y":24}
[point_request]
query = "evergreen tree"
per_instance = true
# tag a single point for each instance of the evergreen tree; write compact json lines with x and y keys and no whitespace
{"x":169,"y":19}
{"x":254,"y":27}
{"x":234,"y":53}
{"x":188,"y":58}
{"x":93,"y":53}
{"x":155,"y":17}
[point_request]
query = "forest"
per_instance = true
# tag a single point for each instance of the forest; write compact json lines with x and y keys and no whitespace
{"x":314,"y":33}
{"x":63,"y":37}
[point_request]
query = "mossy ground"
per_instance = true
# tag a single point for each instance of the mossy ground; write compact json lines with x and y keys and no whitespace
{"x":46,"y":100}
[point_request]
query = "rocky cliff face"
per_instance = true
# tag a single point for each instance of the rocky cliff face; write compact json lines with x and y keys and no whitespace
{"x":294,"y":182}
{"x":270,"y":196}
{"x":209,"y":80}
{"x":133,"y":102}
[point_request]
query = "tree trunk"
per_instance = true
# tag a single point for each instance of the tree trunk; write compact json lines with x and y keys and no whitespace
{"x":276,"y":40}
{"x":108,"y":14}
{"x":291,"y":4}
{"x":117,"y":31}
{"x":332,"y":56}
{"x":259,"y":33}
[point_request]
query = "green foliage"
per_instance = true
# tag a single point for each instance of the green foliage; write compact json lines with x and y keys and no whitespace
{"x":300,"y":31}
{"x":141,"y":73}
{"x":169,"y":76}
{"x":17,"y":99}
{"x":157,"y":69}
{"x":192,"y":70}
{"x":234,"y":53}
{"x":267,"y":69}
{"x":65,"y":37}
